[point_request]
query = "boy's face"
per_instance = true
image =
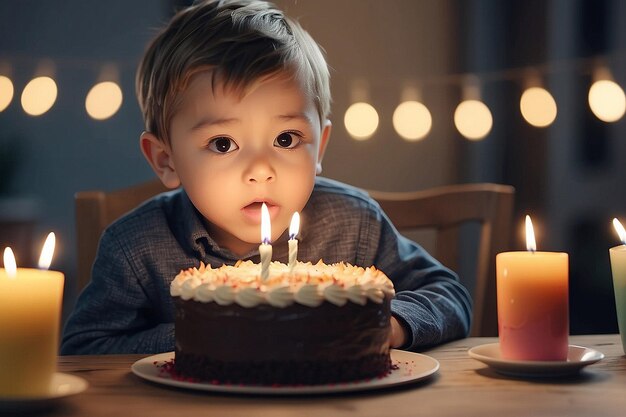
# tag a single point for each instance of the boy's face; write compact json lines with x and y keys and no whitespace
{"x":232,"y":152}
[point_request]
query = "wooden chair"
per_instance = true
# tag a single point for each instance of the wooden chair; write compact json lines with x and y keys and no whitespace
{"x":443,"y":209}
{"x":95,"y":210}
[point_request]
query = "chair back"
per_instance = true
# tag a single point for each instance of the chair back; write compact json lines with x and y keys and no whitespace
{"x":95,"y":210}
{"x":445,"y":209}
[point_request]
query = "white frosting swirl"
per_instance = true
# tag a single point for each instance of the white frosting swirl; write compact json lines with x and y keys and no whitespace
{"x":224,"y":295}
{"x":336,"y":294}
{"x":375,"y":294}
{"x":308,"y":285}
{"x":176,"y":285}
{"x":308,"y":295}
{"x":280,"y":296}
{"x":249,"y":297}
{"x":188,"y":289}
{"x":356,"y":294}
{"x":204,"y":293}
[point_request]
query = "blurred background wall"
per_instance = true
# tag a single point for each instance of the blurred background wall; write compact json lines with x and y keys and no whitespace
{"x":568,"y":176}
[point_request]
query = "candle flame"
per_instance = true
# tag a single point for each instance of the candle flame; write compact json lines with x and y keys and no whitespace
{"x":620,"y":230}
{"x":531,"y":244}
{"x":266,"y":226}
{"x":294,"y":227}
{"x":9,"y":263}
{"x":47,"y":251}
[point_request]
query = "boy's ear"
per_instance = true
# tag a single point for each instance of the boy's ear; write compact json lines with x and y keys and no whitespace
{"x":159,"y":156}
{"x":324,"y":137}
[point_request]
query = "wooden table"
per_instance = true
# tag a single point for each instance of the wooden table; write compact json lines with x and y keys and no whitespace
{"x":462,"y":387}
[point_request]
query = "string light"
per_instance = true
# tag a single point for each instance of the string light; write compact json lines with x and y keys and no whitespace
{"x":6,"y":92}
{"x":606,"y":97}
{"x":411,"y":119}
{"x":472,"y":117}
{"x":40,"y":93}
{"x":538,"y":107}
{"x":361,"y":118}
{"x":39,"y":96}
{"x":105,"y":98}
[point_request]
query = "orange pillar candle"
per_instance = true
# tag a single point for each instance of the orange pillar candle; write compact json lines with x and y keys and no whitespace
{"x":533,"y":313}
{"x":30,"y":311}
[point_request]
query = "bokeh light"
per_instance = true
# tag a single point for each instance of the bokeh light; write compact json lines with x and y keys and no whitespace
{"x":538,"y":107}
{"x":361,"y":120}
{"x":607,"y":100}
{"x":103,"y":100}
{"x":39,"y":96}
{"x":412,"y":120}
{"x":473,"y":119}
{"x":6,"y":92}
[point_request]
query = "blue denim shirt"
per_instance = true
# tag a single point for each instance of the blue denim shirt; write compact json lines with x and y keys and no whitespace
{"x":127,"y":307}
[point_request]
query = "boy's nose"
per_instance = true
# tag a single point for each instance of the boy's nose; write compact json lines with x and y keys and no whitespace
{"x":260,"y":171}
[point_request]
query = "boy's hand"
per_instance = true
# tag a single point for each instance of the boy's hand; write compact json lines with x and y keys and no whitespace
{"x":397,"y":337}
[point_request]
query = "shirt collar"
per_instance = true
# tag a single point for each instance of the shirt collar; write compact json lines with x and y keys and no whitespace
{"x":195,"y":234}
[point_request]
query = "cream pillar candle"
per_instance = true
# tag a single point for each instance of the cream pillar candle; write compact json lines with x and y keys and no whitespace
{"x":30,"y":311}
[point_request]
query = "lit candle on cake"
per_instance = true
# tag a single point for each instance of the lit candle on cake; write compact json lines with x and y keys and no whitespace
{"x":618,"y":269}
{"x":265,"y":248}
{"x":294,"y":228}
{"x":30,"y":311}
{"x":533,"y":316}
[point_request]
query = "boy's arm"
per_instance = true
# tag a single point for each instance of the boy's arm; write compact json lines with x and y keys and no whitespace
{"x":114,"y":314}
{"x":430,"y":302}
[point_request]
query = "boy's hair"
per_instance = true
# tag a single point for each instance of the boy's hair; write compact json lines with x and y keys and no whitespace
{"x":241,"y":41}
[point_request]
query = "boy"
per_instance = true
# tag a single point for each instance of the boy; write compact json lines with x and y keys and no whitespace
{"x":236,"y":100}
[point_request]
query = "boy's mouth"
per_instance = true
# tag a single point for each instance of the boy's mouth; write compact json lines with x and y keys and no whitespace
{"x":253,"y":210}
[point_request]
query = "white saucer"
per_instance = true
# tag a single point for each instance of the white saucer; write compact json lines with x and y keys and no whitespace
{"x":577,"y":358}
{"x":62,"y":385}
{"x":410,"y":367}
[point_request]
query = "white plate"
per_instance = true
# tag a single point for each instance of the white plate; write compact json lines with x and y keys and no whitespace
{"x":577,"y":358}
{"x":411,"y":367}
{"x":62,"y":385}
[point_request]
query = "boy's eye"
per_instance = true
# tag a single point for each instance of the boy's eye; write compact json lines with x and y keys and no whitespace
{"x":222,"y":145}
{"x":287,"y":140}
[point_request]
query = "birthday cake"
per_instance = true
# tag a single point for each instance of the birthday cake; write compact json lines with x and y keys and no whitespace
{"x":315,"y":324}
